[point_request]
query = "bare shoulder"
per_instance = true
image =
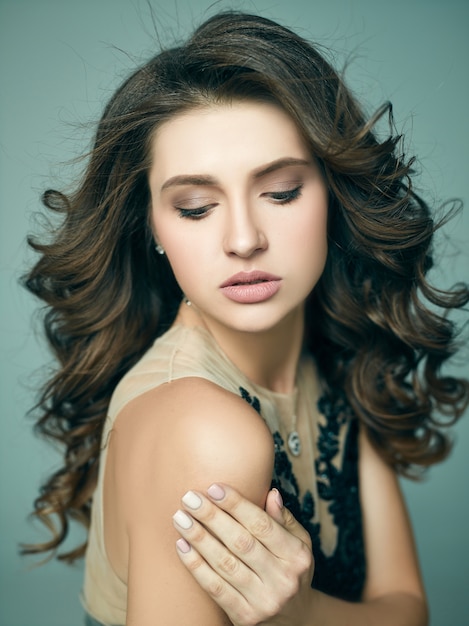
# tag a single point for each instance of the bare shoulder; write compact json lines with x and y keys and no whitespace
{"x":193,"y":418}
{"x":183,"y":435}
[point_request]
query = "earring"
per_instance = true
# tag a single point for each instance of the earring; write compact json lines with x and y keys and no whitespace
{"x":159,"y":248}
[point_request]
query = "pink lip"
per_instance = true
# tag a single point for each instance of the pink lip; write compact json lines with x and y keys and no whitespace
{"x":251,"y":287}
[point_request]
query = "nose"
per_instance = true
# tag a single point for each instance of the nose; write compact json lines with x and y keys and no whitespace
{"x":244,"y":236}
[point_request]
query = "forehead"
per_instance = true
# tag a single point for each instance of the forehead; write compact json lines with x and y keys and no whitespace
{"x":242,"y":133}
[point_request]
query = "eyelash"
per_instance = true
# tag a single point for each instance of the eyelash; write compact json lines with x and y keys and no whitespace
{"x":287,"y":196}
{"x":279,"y":197}
{"x":195,"y":214}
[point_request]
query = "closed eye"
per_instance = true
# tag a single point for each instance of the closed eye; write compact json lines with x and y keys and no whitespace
{"x":196,"y":213}
{"x":278,"y":197}
{"x":286,"y":196}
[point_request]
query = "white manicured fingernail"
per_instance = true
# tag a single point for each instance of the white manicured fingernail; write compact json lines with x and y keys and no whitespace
{"x":192,"y":500}
{"x":182,"y":519}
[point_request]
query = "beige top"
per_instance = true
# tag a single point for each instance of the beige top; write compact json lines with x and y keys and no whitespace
{"x":187,"y":352}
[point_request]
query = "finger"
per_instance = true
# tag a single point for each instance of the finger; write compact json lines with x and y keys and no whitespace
{"x":258,"y":579}
{"x":290,"y":523}
{"x":279,"y":538}
{"x":224,"y":594}
{"x":214,"y":554}
{"x":283,"y":516}
{"x":235,"y":588}
{"x":274,"y":505}
{"x":227,"y":531}
{"x":243,"y":560}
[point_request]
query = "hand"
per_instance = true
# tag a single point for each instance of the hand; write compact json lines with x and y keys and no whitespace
{"x":256,"y":565}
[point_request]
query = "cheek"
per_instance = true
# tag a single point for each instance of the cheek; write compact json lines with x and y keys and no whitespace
{"x":181,"y":259}
{"x":311,"y":234}
{"x":311,"y":248}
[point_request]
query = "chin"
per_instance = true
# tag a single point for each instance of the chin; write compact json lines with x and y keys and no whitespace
{"x":256,"y":321}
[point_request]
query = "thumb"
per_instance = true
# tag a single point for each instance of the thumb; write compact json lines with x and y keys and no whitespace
{"x":274,"y":507}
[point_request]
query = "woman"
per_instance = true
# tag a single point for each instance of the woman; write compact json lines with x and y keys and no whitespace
{"x":238,"y":209}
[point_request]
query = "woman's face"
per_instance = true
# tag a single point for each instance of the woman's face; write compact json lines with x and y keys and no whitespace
{"x":240,"y":208}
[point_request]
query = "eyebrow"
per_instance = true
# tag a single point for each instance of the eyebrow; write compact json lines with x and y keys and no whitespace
{"x":201,"y":180}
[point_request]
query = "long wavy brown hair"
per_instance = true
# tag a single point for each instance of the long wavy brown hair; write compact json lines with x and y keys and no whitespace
{"x":378,"y":329}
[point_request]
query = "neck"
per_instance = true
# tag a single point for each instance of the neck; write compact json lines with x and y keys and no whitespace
{"x":269,"y":358}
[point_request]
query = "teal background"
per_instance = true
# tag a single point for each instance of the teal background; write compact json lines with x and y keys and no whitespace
{"x":59,"y":62}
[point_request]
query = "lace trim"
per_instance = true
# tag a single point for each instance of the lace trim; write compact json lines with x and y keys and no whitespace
{"x":342,"y":574}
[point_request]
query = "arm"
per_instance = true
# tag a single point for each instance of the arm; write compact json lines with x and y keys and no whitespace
{"x":182,"y":435}
{"x":393,"y":595}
